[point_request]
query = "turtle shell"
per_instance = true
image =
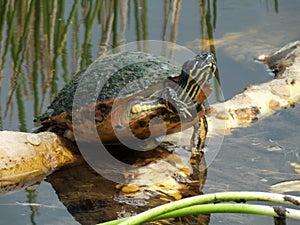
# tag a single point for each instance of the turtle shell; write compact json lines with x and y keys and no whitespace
{"x":112,"y":74}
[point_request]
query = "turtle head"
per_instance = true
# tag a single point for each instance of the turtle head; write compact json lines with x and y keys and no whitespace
{"x":201,"y":68}
{"x":195,"y":73}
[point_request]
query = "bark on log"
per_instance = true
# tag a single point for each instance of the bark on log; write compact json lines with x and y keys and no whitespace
{"x":27,"y":158}
{"x":260,"y":101}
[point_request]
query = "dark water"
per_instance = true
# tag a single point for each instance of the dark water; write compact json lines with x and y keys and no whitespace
{"x":42,"y":47}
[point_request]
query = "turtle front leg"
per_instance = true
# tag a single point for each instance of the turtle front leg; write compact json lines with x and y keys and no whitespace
{"x":167,"y":99}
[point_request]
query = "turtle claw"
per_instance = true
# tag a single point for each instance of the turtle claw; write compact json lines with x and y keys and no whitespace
{"x":184,"y":109}
{"x":185,"y":112}
{"x":181,"y":108}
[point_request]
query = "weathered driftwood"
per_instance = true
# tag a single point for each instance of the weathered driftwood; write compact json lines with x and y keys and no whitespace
{"x":26,"y":158}
{"x":260,"y":101}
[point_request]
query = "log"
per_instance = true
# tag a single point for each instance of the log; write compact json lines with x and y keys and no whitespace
{"x":262,"y":100}
{"x":26,"y":158}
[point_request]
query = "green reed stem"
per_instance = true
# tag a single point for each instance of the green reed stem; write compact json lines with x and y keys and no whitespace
{"x":215,"y":208}
{"x":11,"y":18}
{"x":193,"y":205}
{"x":37,"y":44}
{"x":3,"y":11}
{"x":144,"y":17}
{"x":21,"y":109}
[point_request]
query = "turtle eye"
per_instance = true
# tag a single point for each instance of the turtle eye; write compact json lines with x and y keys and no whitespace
{"x":198,"y":57}
{"x":204,"y":58}
{"x":199,"y":64}
{"x":208,"y":59}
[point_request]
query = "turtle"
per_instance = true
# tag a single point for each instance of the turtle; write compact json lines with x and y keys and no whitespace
{"x":132,"y":95}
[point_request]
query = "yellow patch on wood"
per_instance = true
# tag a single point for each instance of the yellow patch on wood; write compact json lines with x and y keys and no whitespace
{"x":119,"y":186}
{"x":175,"y":195}
{"x":184,"y":171}
{"x":274,"y":105}
{"x":130,"y":189}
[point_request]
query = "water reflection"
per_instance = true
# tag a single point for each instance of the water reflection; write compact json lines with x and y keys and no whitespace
{"x":163,"y":177}
{"x":44,"y":43}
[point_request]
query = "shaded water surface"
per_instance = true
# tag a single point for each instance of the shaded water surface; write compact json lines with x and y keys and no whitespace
{"x":44,"y":43}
